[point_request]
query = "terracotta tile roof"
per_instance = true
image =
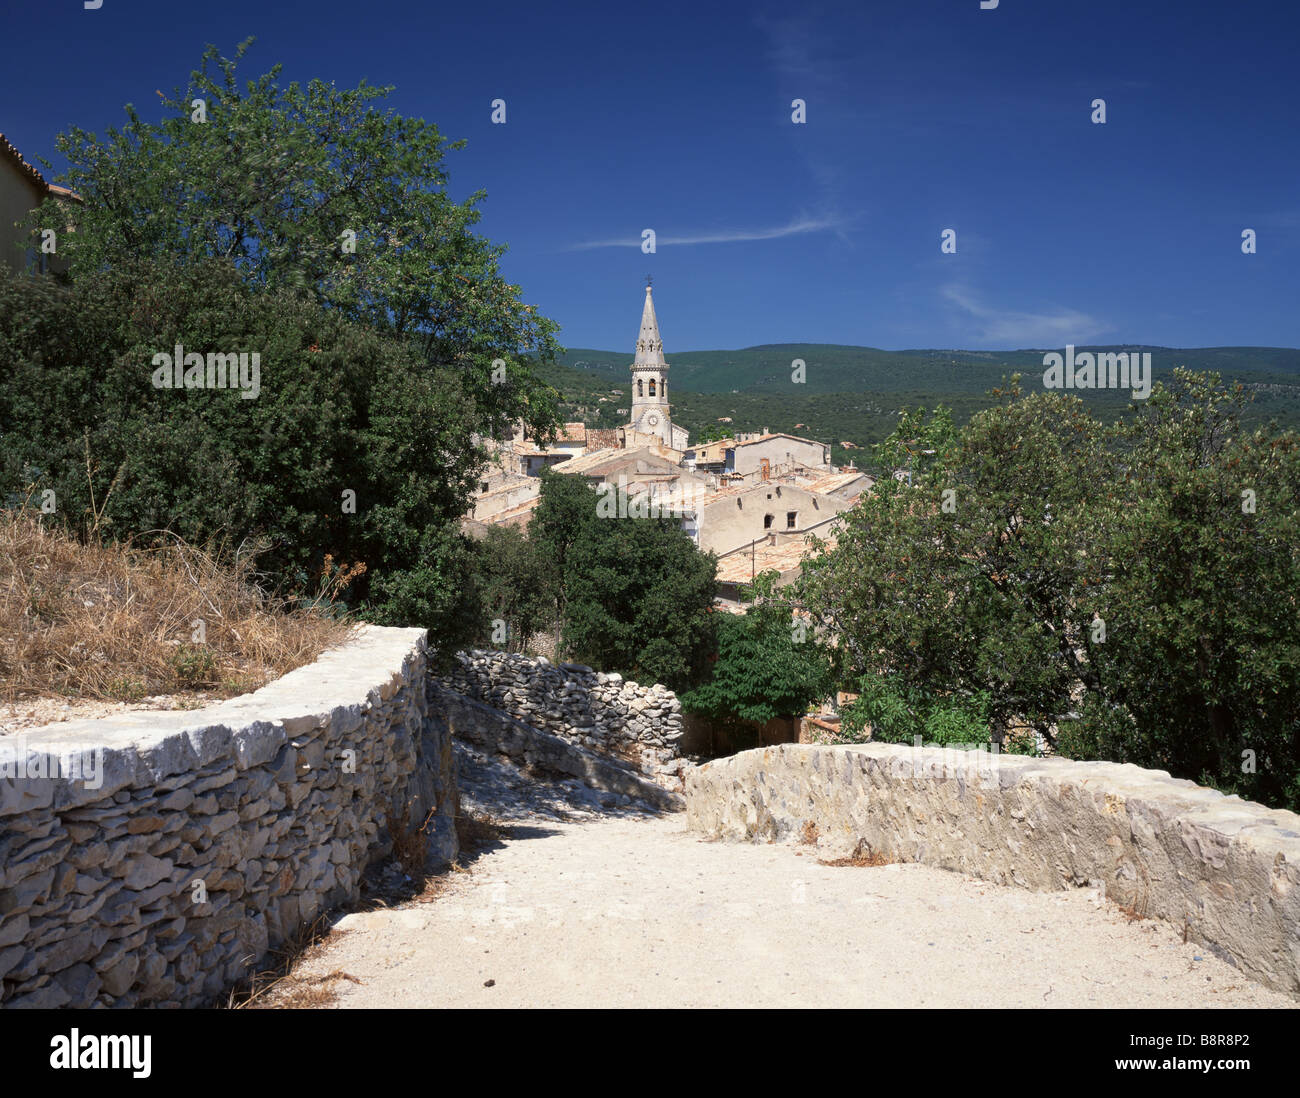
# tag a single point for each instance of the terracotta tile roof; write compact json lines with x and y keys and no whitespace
{"x":29,"y":170}
{"x":779,"y":434}
{"x":513,"y":515}
{"x":10,"y":153}
{"x":572,"y":432}
{"x":742,"y":565}
{"x":600,"y":461}
{"x":519,"y":481}
{"x":62,"y":192}
{"x":720,"y":447}
{"x":739,"y":488}
{"x":602,"y":438}
{"x":733,"y":490}
{"x":832,"y":481}
{"x":530,"y":451}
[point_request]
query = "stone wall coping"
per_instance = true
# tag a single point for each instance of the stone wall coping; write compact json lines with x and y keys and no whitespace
{"x":147,"y":746}
{"x":1194,"y":803}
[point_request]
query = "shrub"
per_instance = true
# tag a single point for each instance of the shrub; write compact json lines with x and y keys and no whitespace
{"x":892,"y":713}
{"x":343,"y":415}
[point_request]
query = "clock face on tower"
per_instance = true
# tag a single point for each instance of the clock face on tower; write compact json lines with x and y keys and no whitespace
{"x":652,"y":420}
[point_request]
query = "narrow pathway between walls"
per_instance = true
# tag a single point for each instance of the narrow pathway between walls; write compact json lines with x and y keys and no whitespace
{"x":584,"y":904}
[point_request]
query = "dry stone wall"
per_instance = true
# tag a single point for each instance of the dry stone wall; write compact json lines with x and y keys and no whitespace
{"x":601,"y":712}
{"x":154,"y":858}
{"x":1226,"y":870}
{"x":473,"y":722}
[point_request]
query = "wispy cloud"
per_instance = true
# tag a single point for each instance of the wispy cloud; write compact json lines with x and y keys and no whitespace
{"x":724,"y":236}
{"x":1010,"y":328}
{"x":799,"y":49}
{"x":1286,"y":219}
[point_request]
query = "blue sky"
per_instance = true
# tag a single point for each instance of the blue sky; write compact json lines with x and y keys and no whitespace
{"x":922,"y":115}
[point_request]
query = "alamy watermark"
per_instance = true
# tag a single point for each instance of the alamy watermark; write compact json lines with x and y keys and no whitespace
{"x":219,"y":371}
{"x":1104,"y":370}
{"x":617,"y":502}
{"x":975,"y":764}
{"x":19,"y":762}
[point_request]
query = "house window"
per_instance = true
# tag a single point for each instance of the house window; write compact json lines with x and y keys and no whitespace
{"x":790,"y":519}
{"x":767,"y":522}
{"x":483,"y":486}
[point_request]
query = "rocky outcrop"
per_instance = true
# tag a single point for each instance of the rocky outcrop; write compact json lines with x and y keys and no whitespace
{"x":601,"y":712}
{"x":154,"y":858}
{"x":1224,"y":870}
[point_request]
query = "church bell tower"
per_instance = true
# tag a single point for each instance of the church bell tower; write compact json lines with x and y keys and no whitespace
{"x":650,"y":407}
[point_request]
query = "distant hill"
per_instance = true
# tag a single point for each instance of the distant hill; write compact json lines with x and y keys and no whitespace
{"x":836,"y":368}
{"x":853,"y":394}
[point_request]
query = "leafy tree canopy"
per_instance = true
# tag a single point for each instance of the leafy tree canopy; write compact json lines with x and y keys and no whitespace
{"x":517,"y":582}
{"x":768,"y":663}
{"x":314,"y":188}
{"x":1129,"y":591}
{"x":636,"y":593}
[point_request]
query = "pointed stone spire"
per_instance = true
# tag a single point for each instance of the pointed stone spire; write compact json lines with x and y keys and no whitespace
{"x":649,"y":347}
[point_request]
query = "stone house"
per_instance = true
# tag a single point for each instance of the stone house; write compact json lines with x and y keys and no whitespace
{"x":22,"y":189}
{"x":712,"y":457}
{"x":783,"y":554}
{"x":780,"y":452}
{"x":742,"y":515}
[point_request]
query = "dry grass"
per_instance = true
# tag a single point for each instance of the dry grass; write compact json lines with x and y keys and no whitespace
{"x":862,"y":856}
{"x":1136,"y":909}
{"x":410,"y":843}
{"x":474,"y":831}
{"x":118,"y":622}
{"x":277,"y":987}
{"x":306,"y":992}
{"x":808,"y":835}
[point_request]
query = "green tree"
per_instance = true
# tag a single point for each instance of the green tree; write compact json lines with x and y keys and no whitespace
{"x":517,"y":585}
{"x":888,"y":713}
{"x":974,"y":579}
{"x":635,"y":594}
{"x":565,"y":507}
{"x":1127,"y":592}
{"x":768,"y":663}
{"x":711,"y":432}
{"x":313,"y":188}
{"x":1200,"y":668}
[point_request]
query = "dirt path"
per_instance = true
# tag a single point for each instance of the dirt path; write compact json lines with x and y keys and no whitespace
{"x":620,"y":909}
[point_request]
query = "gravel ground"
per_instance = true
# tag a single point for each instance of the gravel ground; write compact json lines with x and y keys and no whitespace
{"x":30,"y":713}
{"x":582,"y":905}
